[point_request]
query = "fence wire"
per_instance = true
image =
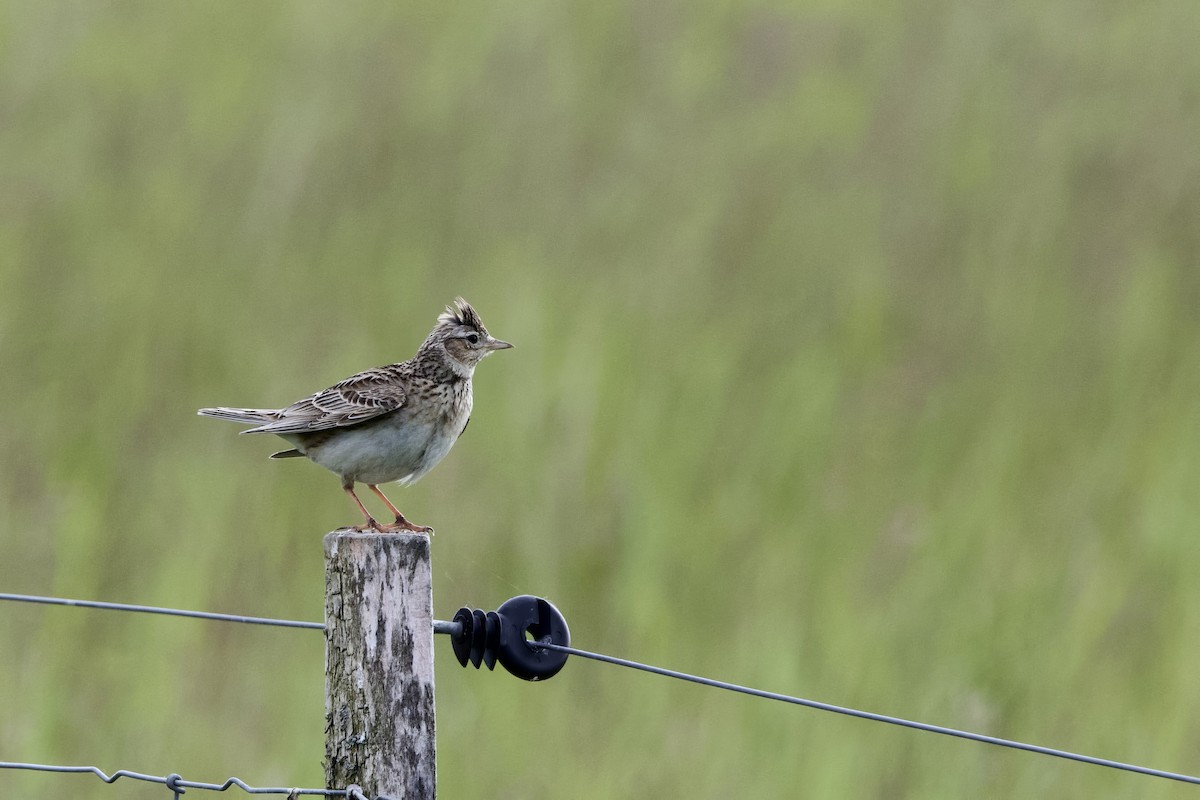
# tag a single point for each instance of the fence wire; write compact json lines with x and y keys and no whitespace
{"x":174,"y":612}
{"x":454,"y":629}
{"x":178,"y":784}
{"x":853,"y":712}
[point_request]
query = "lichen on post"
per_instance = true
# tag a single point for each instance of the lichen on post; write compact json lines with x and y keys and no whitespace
{"x":379,"y":709}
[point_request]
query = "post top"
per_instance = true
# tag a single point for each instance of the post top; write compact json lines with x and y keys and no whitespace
{"x":373,"y":541}
{"x":350,"y":533}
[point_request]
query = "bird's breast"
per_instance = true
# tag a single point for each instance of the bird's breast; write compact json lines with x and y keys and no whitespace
{"x":401,"y":446}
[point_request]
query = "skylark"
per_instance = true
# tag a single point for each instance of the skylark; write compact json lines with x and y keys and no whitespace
{"x":391,"y":423}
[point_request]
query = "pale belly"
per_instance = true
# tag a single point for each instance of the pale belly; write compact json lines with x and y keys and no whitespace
{"x":395,"y":448}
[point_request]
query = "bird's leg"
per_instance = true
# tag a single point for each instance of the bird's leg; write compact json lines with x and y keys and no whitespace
{"x":386,"y":502}
{"x":401,"y":524}
{"x":371,"y":525}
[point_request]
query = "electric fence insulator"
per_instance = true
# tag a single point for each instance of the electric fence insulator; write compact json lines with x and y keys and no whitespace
{"x":511,"y":635}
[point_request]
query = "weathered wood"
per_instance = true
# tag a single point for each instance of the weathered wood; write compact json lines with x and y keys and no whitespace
{"x":379,"y":730}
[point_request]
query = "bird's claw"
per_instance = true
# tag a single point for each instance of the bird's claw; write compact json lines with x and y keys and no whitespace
{"x":399,"y":526}
{"x":369,"y":526}
{"x":405,"y":526}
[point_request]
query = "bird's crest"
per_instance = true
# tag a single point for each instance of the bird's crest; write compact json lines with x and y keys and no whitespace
{"x":461,"y":313}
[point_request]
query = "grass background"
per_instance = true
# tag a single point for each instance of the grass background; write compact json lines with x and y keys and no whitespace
{"x":857,"y":353}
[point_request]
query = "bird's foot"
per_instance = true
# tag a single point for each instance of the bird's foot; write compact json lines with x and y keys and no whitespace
{"x":401,"y":524}
{"x":370,"y":525}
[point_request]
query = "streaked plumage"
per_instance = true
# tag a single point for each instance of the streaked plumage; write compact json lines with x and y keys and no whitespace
{"x":390,"y":423}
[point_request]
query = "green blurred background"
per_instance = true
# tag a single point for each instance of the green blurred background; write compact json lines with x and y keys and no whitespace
{"x":857,"y":352}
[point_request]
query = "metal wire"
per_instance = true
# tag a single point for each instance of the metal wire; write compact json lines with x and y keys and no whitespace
{"x":921,"y":726}
{"x":175,"y":783}
{"x":175,"y":612}
{"x":439,"y":626}
{"x":455,"y":629}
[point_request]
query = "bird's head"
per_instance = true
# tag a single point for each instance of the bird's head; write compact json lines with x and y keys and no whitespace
{"x":460,"y":334}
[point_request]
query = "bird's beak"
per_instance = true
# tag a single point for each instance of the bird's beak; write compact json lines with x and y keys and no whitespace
{"x":497,"y":344}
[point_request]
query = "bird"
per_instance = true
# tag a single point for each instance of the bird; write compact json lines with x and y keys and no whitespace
{"x":388,"y":424}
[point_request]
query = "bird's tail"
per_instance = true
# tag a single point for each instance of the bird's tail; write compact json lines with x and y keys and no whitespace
{"x":250,"y":416}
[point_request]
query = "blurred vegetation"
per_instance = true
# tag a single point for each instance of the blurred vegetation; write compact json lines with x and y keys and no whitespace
{"x":857,"y":358}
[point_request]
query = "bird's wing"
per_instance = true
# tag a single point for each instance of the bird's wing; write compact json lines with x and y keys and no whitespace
{"x":359,"y":398}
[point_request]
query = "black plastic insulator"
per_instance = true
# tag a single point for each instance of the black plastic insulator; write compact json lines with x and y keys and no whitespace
{"x":510,"y":635}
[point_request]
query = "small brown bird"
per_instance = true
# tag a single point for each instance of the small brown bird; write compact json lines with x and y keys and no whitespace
{"x":392,"y":423}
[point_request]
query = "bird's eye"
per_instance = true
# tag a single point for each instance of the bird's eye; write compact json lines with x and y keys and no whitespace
{"x":473,"y":338}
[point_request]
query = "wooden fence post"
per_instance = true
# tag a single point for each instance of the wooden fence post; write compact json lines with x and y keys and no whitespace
{"x":379,"y":726}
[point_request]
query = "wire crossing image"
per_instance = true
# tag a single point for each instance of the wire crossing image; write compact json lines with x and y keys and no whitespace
{"x":457,"y":629}
{"x":178,"y":785}
{"x":174,"y":612}
{"x":852,"y":712}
